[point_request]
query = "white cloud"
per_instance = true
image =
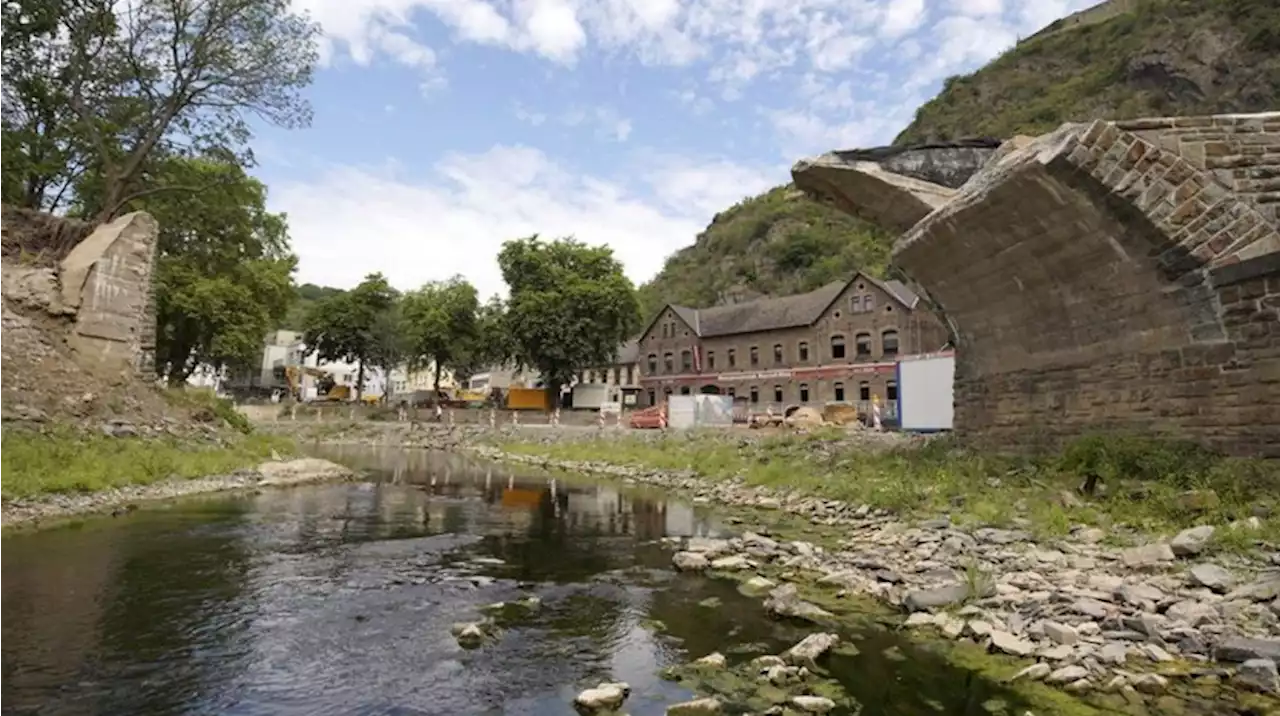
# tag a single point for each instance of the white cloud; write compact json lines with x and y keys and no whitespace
{"x":902,"y":17}
{"x":349,"y":221}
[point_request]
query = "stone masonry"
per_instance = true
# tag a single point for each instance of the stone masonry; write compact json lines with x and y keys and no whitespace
{"x":102,"y":286}
{"x":1116,"y":276}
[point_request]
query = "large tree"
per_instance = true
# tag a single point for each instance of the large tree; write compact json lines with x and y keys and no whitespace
{"x":440,"y":324}
{"x":350,"y":326}
{"x":100,"y":88}
{"x":490,"y":345}
{"x":570,"y":306}
{"x":223,"y":271}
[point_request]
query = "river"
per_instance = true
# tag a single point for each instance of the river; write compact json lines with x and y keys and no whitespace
{"x":339,"y":599}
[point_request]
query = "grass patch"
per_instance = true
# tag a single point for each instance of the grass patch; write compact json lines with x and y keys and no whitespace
{"x":62,"y":461}
{"x":205,"y":406}
{"x":1149,"y":486}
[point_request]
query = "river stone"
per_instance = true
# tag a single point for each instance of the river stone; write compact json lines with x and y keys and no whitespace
{"x":919,"y":619}
{"x":732,"y":563}
{"x":1148,"y":555}
{"x":1035,"y":672}
{"x":781,"y":675}
{"x":1191,"y":541}
{"x":757,"y":585}
{"x":785,"y":601}
{"x":919,"y":600}
{"x":1239,"y":649}
{"x":690,"y":561}
{"x":605,"y":697}
{"x":1259,"y":675}
{"x":709,"y":706}
{"x":306,"y":469}
{"x":1067,"y":674}
{"x":811,"y":648}
{"x":469,"y":635}
{"x":1010,"y":644}
{"x":813,"y":704}
{"x":1060,"y":633}
{"x":1212,"y":576}
{"x":708,"y":546}
{"x":714,"y":660}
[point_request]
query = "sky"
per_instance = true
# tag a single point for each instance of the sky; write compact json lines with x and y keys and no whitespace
{"x":443,"y":128}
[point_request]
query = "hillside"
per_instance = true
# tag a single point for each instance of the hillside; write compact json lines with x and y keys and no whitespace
{"x":1129,"y":58}
{"x":773,"y":244}
{"x":304,"y":297}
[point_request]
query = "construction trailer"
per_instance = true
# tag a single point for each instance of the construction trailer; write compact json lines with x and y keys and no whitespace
{"x":527,"y":399}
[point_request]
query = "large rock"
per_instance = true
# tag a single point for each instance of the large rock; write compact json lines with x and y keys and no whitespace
{"x":937,"y":597}
{"x":1191,"y":541}
{"x":785,"y":601}
{"x":1239,"y":649}
{"x":812,"y":704}
{"x":690,"y":561}
{"x":697,"y":707}
{"x":811,"y":648}
{"x":1212,"y":576}
{"x":1259,"y":675}
{"x":1148,"y":555}
{"x":605,"y":697}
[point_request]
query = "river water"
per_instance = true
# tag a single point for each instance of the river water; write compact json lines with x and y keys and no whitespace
{"x":338,"y":599}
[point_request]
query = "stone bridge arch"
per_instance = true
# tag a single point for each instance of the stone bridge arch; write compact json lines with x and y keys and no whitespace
{"x":1109,"y":275}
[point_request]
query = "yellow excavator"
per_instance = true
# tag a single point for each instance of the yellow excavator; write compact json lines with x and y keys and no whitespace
{"x":326,"y":387}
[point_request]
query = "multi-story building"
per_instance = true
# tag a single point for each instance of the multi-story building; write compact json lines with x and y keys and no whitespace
{"x":622,"y":376}
{"x":838,"y":343}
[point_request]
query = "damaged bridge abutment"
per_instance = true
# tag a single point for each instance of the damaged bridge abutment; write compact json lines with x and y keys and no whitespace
{"x":1112,"y":276}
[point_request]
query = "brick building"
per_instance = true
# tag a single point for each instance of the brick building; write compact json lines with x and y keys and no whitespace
{"x":837,"y":343}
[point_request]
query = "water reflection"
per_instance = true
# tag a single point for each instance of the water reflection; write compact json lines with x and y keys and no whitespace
{"x":338,"y":599}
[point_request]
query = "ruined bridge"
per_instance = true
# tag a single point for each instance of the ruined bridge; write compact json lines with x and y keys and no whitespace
{"x":1113,"y":275}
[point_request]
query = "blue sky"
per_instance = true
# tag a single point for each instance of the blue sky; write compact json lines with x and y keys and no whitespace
{"x":445,"y":127}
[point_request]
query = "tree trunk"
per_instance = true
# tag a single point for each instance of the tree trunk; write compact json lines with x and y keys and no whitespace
{"x":360,"y":382}
{"x":437,"y":366}
{"x":553,"y":395}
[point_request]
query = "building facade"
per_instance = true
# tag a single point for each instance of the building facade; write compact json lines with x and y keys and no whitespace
{"x":838,"y":343}
{"x":622,"y":376}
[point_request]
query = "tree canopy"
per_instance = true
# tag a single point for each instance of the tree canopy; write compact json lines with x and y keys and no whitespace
{"x":223,"y":268}
{"x":96,"y":90}
{"x":570,"y":306}
{"x":440,"y":324}
{"x":353,"y":326}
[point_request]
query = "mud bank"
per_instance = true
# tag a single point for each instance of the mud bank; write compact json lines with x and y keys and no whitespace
{"x":32,"y":512}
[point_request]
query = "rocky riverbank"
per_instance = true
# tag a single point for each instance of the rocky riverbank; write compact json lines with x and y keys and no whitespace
{"x":274,"y":473}
{"x":1138,"y":626}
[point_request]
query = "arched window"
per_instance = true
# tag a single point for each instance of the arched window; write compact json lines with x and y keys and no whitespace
{"x":889,"y":342}
{"x":837,"y":347}
{"x":777,"y":394}
{"x":777,"y":354}
{"x":668,"y":363}
{"x":803,"y":350}
{"x":839,"y":391}
{"x":864,"y":391}
{"x":804,"y":392}
{"x":653,"y":365}
{"x":686,"y":361}
{"x":755,"y":356}
{"x":755,"y":394}
{"x":863,"y":344}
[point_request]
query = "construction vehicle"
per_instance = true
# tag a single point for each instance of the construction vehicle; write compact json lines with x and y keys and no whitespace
{"x":327,"y":389}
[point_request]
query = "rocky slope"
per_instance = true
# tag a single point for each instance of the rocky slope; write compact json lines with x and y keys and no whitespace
{"x":1154,"y":58}
{"x":774,"y":244}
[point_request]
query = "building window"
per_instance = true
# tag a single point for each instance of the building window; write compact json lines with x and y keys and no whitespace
{"x":777,"y":354}
{"x":666,"y":330}
{"x":855,"y":304}
{"x":617,"y":376}
{"x":631,"y":376}
{"x":777,"y":394}
{"x":889,"y":342}
{"x":891,"y":391}
{"x":755,"y":394}
{"x":711,"y":360}
{"x":803,"y":349}
{"x":864,"y":344}
{"x":684,"y":390}
{"x":668,"y":363}
{"x":839,"y":390}
{"x":666,"y":391}
{"x":804,"y":392}
{"x":653,"y":398}
{"x":864,"y":391}
{"x":732,"y":393}
{"x":869,"y":303}
{"x":837,"y":346}
{"x":686,"y":361}
{"x":653,"y":365}
{"x":733,"y":358}
{"x":755,"y":356}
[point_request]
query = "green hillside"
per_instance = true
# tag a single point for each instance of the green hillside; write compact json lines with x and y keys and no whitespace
{"x":773,"y":244}
{"x":1147,"y":58}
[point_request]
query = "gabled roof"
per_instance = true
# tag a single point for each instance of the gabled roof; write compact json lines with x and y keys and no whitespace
{"x":771,"y":314}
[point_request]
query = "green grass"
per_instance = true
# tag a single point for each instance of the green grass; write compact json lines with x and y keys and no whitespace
{"x":1146,"y":482}
{"x":62,"y":461}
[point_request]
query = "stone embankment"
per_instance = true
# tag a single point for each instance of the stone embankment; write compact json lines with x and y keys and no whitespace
{"x":1138,"y":623}
{"x":274,"y":473}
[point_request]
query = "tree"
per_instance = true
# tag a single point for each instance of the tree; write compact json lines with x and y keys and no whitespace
{"x":440,"y":324}
{"x":99,"y":88}
{"x":223,"y":271}
{"x":490,"y":346}
{"x":570,"y":306}
{"x":346,"y":326}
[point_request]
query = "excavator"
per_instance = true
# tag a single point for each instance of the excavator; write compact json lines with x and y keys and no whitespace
{"x":326,"y":388}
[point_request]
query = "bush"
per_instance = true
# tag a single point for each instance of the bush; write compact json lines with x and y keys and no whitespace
{"x":206,"y":406}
